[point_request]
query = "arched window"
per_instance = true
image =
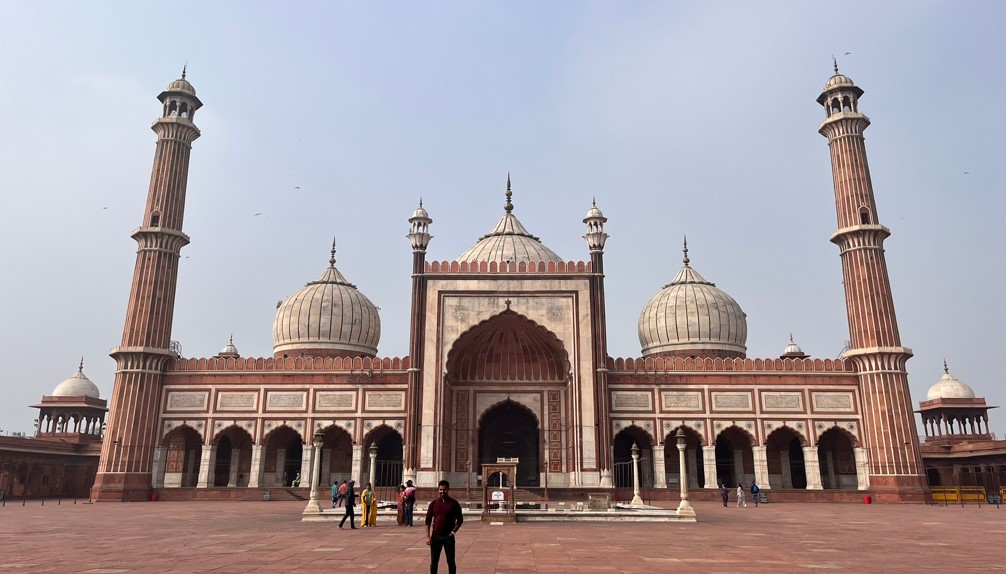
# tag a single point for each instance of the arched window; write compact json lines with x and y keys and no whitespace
{"x":864,"y":215}
{"x":155,"y":219}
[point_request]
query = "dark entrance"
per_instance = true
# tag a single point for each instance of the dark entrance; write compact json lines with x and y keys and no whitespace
{"x":510,"y":430}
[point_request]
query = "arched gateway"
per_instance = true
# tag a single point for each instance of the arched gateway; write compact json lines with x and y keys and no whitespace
{"x":503,"y":375}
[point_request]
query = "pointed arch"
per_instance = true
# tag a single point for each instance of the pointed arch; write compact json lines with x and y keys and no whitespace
{"x":510,"y":429}
{"x":784,"y":458}
{"x":837,"y":456}
{"x":694,"y":461}
{"x":734,"y":456}
{"x":622,"y":457}
{"x":507,"y":347}
{"x":184,"y":451}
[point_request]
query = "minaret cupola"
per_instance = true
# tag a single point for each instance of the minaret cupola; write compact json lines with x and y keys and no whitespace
{"x":595,"y":220}
{"x":419,"y":231}
{"x":179,"y":99}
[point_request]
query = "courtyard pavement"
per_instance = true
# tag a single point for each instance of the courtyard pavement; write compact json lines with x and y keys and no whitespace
{"x":223,"y":537}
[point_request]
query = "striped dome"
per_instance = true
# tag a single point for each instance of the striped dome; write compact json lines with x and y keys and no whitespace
{"x":328,"y":317}
{"x":692,"y":317}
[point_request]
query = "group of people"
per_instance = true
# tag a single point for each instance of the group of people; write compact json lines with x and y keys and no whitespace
{"x":741,"y":502}
{"x":443,"y":517}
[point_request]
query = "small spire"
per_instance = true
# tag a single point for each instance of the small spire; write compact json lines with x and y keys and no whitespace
{"x":81,"y":367}
{"x":508,"y":207}
{"x":331,"y":261}
{"x":231,"y":342}
{"x":834,"y":63}
{"x":508,"y":302}
{"x":420,"y":201}
{"x":686,"y":260}
{"x":791,"y":337}
{"x":945,"y":368}
{"x":593,"y":201}
{"x":185,"y":69}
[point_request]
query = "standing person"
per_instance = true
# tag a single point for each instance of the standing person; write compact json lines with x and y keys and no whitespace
{"x":445,"y":518}
{"x":335,"y":493}
{"x":754,"y":493}
{"x":350,"y":501}
{"x":369,"y":506}
{"x":400,"y":504}
{"x":410,"y":501}
{"x":342,"y":492}
{"x":724,"y":494}
{"x":740,"y":497}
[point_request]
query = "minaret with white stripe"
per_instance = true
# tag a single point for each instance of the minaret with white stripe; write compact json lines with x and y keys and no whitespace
{"x":889,"y":433}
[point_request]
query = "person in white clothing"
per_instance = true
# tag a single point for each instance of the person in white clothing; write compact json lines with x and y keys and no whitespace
{"x":740,"y":497}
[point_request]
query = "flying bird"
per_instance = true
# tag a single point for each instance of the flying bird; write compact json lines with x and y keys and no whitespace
{"x":257,"y":214}
{"x":967,"y":172}
{"x":848,"y":53}
{"x":296,"y":187}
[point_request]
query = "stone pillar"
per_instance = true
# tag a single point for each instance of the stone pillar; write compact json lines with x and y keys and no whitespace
{"x":739,"y":466}
{"x":812,"y":467}
{"x":787,"y":473}
{"x":709,"y":464}
{"x":659,"y":467}
{"x":157,"y":471}
{"x":372,"y":478}
{"x":255,"y":474}
{"x":232,"y":480}
{"x":760,"y":466}
{"x":306,"y":460}
{"x":357,"y":464}
{"x":279,"y":478}
{"x":636,"y":499}
{"x":829,"y":463}
{"x":684,"y":508}
{"x":206,"y":464}
{"x":692,"y":466}
{"x":313,"y":506}
{"x":862,"y":468}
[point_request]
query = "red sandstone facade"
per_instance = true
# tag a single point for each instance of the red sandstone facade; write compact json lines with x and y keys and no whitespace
{"x":508,"y":358}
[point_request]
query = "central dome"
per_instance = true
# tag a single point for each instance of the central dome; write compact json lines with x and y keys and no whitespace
{"x":691,"y":317}
{"x":509,"y":241}
{"x":329,"y":317}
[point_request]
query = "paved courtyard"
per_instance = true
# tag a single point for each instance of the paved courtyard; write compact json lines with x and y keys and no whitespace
{"x":219,"y":537}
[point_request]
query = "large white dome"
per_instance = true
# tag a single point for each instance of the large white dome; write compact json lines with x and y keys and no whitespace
{"x":509,"y":241}
{"x":692,"y":317}
{"x":328,"y":317}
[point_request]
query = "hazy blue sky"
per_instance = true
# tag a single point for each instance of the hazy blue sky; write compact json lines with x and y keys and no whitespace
{"x":332,"y":119}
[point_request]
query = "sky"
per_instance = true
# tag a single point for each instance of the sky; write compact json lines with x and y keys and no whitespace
{"x":327,"y":120}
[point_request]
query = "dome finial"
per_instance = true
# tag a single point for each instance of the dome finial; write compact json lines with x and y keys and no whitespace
{"x":331,"y":261}
{"x":791,"y":337}
{"x":420,"y":201}
{"x":81,"y":367}
{"x":945,"y":368}
{"x":508,"y":207}
{"x":231,"y":340}
{"x":686,"y":260}
{"x":593,"y":201}
{"x":185,"y":69}
{"x":834,"y":63}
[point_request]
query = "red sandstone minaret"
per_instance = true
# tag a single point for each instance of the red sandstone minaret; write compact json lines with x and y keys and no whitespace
{"x":419,"y":236}
{"x":596,"y":237}
{"x":896,"y":471}
{"x":128,"y":446}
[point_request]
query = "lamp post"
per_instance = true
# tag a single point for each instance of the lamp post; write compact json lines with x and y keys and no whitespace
{"x":312,"y":505}
{"x":684,"y":509}
{"x":636,"y":500}
{"x":373,"y":464}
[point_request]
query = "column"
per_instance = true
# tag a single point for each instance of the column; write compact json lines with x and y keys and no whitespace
{"x":279,"y":478}
{"x":739,"y":466}
{"x":372,"y":475}
{"x":787,"y":472}
{"x":684,"y":508}
{"x":232,"y":480}
{"x":306,"y":461}
{"x":659,"y":467}
{"x":206,"y":463}
{"x":255,"y":474}
{"x":357,"y":464}
{"x":812,"y":467}
{"x":157,"y":471}
{"x":693,"y":471}
{"x":709,"y":464}
{"x":761,"y":466}
{"x":862,"y":468}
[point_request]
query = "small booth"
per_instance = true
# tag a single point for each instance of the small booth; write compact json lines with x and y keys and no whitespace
{"x":502,"y":494}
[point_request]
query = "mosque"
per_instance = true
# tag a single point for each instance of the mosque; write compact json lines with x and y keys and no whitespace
{"x":508,"y":358}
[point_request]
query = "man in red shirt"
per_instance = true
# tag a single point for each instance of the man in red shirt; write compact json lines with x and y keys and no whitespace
{"x":444,"y":516}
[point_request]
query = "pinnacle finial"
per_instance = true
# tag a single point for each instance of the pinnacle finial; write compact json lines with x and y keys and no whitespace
{"x":791,"y":337}
{"x":686,"y":260}
{"x":945,"y":368}
{"x":81,"y":367}
{"x":420,"y":201}
{"x":231,"y":341}
{"x":834,"y":63}
{"x":593,"y":201}
{"x":185,"y":69}
{"x":508,"y":207}
{"x":331,"y":261}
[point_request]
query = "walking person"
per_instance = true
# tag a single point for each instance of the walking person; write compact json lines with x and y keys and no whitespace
{"x":740,"y":497}
{"x":342,"y":493}
{"x":369,"y":506}
{"x":443,"y":520}
{"x":349,"y":502}
{"x":400,"y":504}
{"x":410,"y":501}
{"x":754,"y":494}
{"x":335,"y":493}
{"x":724,"y":494}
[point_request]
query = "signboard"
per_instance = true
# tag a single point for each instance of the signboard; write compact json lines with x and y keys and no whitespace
{"x":498,"y":496}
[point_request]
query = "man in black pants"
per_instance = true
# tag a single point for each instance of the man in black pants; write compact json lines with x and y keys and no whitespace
{"x":445,"y":518}
{"x":350,"y":501}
